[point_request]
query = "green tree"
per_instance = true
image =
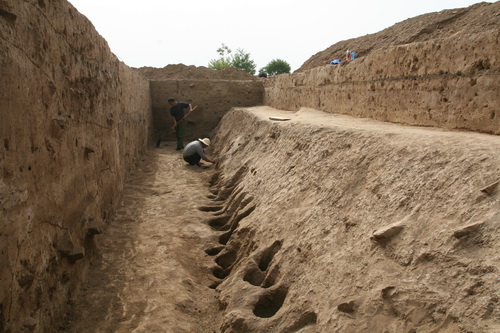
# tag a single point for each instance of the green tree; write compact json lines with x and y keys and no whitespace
{"x":218,"y":64}
{"x":275,"y":67}
{"x":223,"y":61}
{"x":240,"y":59}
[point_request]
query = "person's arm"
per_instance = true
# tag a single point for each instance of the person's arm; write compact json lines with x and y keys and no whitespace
{"x":202,"y":154}
{"x":209,"y":160}
{"x":175,"y":121}
{"x":190,"y":107}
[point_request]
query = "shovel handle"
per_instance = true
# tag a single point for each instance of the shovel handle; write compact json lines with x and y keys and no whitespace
{"x":182,"y":119}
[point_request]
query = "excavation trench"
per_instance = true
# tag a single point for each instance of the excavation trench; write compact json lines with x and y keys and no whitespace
{"x":151,"y":272}
{"x":322,"y":223}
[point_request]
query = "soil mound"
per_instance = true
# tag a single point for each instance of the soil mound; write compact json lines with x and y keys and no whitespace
{"x":181,"y":71}
{"x":444,"y":24}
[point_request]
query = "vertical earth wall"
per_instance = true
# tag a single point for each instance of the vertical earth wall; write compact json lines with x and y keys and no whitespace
{"x":450,"y":83}
{"x":73,"y":119}
{"x":213,"y":98}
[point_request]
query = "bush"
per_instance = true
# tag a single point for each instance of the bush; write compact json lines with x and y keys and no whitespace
{"x":240,"y":59}
{"x":275,"y":67}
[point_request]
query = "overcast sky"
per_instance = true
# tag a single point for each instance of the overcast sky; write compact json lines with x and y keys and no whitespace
{"x":157,"y":33}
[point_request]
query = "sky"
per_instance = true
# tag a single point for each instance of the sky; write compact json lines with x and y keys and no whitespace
{"x":157,"y":33}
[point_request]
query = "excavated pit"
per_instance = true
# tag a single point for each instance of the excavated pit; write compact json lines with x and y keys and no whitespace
{"x":322,"y":223}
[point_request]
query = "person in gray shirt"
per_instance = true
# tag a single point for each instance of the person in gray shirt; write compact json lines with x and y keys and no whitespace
{"x":194,"y":153}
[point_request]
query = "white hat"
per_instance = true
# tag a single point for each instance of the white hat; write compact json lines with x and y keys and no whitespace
{"x":205,"y":141}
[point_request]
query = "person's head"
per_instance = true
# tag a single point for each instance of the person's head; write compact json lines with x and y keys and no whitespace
{"x":172,"y":101}
{"x":205,"y":142}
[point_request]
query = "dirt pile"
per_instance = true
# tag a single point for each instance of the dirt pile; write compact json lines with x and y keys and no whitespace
{"x":454,"y":23}
{"x":183,"y":72}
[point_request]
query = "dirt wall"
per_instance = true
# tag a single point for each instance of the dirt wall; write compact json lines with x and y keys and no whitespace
{"x":212,"y":97}
{"x":328,"y":223}
{"x":73,"y":119}
{"x":450,"y":83}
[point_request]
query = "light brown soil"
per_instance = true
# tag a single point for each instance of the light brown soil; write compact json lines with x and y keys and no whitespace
{"x":362,"y":226}
{"x":181,"y":71}
{"x":458,"y":23}
{"x":151,"y":273}
{"x":323,"y":223}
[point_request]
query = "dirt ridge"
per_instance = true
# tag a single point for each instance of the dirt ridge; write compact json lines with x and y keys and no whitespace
{"x":182,"y":72}
{"x":475,"y":19}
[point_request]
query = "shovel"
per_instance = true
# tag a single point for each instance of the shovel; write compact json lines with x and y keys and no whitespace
{"x":182,"y":119}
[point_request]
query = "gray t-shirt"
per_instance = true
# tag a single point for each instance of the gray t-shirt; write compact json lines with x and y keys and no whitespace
{"x":194,"y":147}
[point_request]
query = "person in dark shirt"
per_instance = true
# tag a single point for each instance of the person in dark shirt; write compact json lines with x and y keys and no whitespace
{"x":177,"y":113}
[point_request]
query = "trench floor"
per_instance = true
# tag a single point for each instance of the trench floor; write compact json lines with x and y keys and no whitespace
{"x":150,"y":272}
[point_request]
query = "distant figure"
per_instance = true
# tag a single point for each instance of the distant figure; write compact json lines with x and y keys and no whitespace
{"x":177,"y":113}
{"x":353,"y":55}
{"x":194,"y":152}
{"x":348,"y":55}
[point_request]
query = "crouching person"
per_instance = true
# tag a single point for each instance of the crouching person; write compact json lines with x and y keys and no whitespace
{"x":194,"y":152}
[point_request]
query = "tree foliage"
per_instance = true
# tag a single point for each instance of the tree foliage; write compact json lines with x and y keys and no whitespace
{"x":240,"y":59}
{"x":275,"y":67}
{"x":218,"y":64}
{"x":224,"y":60}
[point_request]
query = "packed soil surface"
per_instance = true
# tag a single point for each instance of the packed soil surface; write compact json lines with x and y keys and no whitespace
{"x":361,"y":227}
{"x":151,"y":273}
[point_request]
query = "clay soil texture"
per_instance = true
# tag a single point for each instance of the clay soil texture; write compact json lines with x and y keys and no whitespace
{"x":320,"y":223}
